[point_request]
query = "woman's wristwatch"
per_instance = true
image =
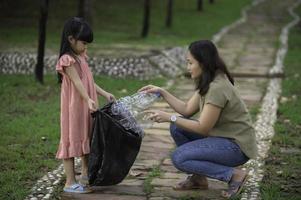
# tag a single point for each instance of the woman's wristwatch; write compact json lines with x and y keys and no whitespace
{"x":173,"y":118}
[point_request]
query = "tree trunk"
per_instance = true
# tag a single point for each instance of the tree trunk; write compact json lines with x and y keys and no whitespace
{"x":146,"y":18}
{"x":169,"y":15}
{"x":200,"y":5}
{"x":42,"y":39}
{"x":84,"y":10}
{"x":211,"y":1}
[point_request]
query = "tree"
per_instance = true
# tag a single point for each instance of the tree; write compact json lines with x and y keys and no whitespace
{"x":211,"y":1}
{"x":146,"y":18}
{"x":200,"y":5}
{"x":42,"y":39}
{"x":84,"y":10}
{"x":168,"y":22}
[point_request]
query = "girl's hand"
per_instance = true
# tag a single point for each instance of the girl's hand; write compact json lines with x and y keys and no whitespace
{"x":158,"y":116}
{"x":91,"y":104}
{"x":110,"y":97}
{"x":151,"y":89}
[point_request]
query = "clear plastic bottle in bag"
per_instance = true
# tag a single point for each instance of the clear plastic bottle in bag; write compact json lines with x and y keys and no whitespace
{"x":142,"y":101}
{"x":131,"y":108}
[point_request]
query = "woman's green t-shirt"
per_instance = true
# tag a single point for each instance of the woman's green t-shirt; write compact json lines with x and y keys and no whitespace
{"x":234,"y":121}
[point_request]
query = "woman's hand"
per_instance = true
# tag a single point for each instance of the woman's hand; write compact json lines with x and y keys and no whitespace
{"x":158,"y":116}
{"x":109,"y":97}
{"x":151,"y":89}
{"x":91,"y":104}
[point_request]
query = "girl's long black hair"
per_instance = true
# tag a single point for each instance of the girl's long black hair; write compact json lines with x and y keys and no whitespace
{"x":205,"y":52}
{"x":79,"y":30}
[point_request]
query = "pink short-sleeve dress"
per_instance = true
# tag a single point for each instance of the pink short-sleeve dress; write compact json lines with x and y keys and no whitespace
{"x":76,"y":120}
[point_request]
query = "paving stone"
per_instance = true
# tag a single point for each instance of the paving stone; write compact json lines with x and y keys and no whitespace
{"x":178,"y":177}
{"x":151,"y":149}
{"x":160,"y":198}
{"x":119,"y":189}
{"x":167,"y":161}
{"x":216,"y":184}
{"x":169,"y":168}
{"x":195,"y":194}
{"x":141,"y":168}
{"x":253,"y":48}
{"x":251,"y":99}
{"x":163,"y":182}
{"x":169,"y":175}
{"x":159,"y":145}
{"x":153,"y":131}
{"x":156,"y":138}
{"x":151,"y":156}
{"x":141,"y":173}
{"x":260,"y":61}
{"x":169,"y":192}
{"x":147,"y":163}
{"x":251,"y":69}
{"x":98,"y":196}
{"x":166,"y":139}
{"x":161,"y":125}
{"x":132,"y":182}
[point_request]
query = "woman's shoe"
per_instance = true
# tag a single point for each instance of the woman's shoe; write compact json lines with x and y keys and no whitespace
{"x":235,"y":187}
{"x":193,"y":182}
{"x":77,"y":188}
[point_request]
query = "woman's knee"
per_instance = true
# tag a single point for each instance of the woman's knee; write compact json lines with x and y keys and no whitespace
{"x":177,"y":159}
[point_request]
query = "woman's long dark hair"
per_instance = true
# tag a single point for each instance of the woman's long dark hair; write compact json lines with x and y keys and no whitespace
{"x":79,"y":30}
{"x":205,"y":52}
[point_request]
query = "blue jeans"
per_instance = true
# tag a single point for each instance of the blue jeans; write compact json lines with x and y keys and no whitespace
{"x":213,"y":157}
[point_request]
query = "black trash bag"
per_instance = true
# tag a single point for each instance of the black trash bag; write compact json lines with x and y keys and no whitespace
{"x":113,"y":149}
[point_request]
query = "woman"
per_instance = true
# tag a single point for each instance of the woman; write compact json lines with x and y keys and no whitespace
{"x":222,"y":138}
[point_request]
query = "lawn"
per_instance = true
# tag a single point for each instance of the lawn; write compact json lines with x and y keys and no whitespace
{"x":283,"y":165}
{"x":117,"y":25}
{"x":30,"y":127}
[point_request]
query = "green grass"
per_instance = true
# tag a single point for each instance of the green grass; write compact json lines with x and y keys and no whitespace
{"x":117,"y":24}
{"x":254,"y":110}
{"x":30,"y":111}
{"x":283,"y":169}
{"x":147,"y":186}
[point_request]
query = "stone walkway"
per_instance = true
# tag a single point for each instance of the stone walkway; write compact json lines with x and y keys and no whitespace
{"x":249,"y":50}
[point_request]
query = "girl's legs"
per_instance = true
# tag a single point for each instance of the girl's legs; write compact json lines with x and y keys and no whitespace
{"x":69,"y":171}
{"x":71,"y":185}
{"x":84,"y":170}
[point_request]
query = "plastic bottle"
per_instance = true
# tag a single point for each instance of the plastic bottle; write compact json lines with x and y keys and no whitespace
{"x":130,"y":110}
{"x":144,"y":100}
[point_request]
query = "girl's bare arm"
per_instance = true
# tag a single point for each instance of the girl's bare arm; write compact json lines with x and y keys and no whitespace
{"x":73,"y":75}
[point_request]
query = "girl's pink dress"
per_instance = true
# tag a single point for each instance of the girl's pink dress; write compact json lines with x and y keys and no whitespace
{"x":76,"y":120}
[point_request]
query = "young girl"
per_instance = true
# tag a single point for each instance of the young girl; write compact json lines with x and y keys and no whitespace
{"x":222,"y":138}
{"x":78,"y":99}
